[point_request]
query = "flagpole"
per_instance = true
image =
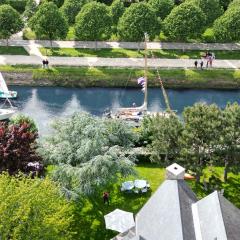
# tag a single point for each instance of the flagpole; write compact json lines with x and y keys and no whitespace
{"x":145,"y":71}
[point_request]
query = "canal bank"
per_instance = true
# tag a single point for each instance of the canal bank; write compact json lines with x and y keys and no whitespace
{"x":120,"y":77}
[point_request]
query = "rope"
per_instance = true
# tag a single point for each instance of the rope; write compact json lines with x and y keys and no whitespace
{"x":165,"y":96}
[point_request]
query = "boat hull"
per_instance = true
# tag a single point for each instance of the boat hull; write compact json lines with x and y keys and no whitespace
{"x":9,"y":95}
{"x":6,"y":114}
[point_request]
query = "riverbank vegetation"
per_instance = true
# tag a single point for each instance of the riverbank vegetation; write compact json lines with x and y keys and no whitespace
{"x":120,"y":77}
{"x":134,"y":53}
{"x":84,"y":153}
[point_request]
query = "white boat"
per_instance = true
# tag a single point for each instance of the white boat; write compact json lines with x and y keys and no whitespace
{"x":136,"y":114}
{"x":6,"y":113}
{"x":4,"y":92}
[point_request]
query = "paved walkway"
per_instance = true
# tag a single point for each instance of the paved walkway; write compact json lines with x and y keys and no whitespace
{"x":112,"y":62}
{"x":128,"y":45}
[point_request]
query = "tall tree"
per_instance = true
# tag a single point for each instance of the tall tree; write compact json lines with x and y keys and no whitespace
{"x":48,"y":21}
{"x":138,"y":19}
{"x":211,"y":8}
{"x":117,"y":9}
{"x":99,"y":25}
{"x":185,"y":21}
{"x":33,"y":209}
{"x":164,"y":134}
{"x":71,"y":8}
{"x":230,"y":139}
{"x":198,"y":140}
{"x":162,"y":7}
{"x":10,"y":21}
{"x":89,"y":152}
{"x":30,"y":9}
{"x":226,"y":27}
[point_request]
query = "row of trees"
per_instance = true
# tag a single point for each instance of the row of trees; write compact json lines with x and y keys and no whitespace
{"x":97,"y":21}
{"x":207,"y":136}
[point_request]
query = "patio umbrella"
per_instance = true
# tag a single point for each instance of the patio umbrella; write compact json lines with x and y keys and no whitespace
{"x":119,"y":220}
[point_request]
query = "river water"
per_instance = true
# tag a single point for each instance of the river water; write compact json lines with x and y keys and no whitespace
{"x":44,"y":104}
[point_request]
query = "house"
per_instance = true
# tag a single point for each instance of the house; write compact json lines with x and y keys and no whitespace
{"x":175,"y":213}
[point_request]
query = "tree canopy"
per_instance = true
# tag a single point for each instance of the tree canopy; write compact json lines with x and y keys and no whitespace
{"x":202,"y":126}
{"x":138,"y":19}
{"x":71,"y":8}
{"x":30,"y":9}
{"x":185,"y":21}
{"x":117,"y":9}
{"x":89,"y":152}
{"x":226,"y":27}
{"x":33,"y":209}
{"x":10,"y":21}
{"x":162,"y":7}
{"x":211,"y":8}
{"x":93,"y":22}
{"x":48,"y":21}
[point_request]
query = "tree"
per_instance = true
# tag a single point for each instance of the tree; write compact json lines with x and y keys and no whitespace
{"x":225,"y":3}
{"x":185,"y":21}
{"x":59,"y":3}
{"x":161,"y":7}
{"x":17,"y":148}
{"x":33,"y":209}
{"x":211,"y":8}
{"x":138,"y":19}
{"x":116,"y":9}
{"x":30,"y":9}
{"x":226,"y":27}
{"x":89,"y":152}
{"x":10,"y":21}
{"x":229,"y":140}
{"x":71,"y":8}
{"x":164,"y":134}
{"x":200,"y":137}
{"x":50,"y":22}
{"x":99,"y":25}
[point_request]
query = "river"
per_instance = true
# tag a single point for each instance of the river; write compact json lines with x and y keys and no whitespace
{"x":44,"y":104}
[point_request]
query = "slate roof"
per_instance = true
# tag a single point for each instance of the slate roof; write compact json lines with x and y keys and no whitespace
{"x":174,"y":213}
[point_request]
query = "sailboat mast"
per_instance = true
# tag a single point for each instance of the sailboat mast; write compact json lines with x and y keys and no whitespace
{"x":145,"y":71}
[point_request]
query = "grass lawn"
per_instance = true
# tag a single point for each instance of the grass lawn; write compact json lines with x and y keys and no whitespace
{"x":90,"y":212}
{"x":4,"y":50}
{"x":127,"y":53}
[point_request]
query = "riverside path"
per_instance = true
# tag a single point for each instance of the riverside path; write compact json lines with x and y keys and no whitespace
{"x":112,"y":62}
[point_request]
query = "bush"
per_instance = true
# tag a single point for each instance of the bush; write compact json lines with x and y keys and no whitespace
{"x":208,"y":36}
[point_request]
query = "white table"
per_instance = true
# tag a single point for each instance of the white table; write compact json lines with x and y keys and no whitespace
{"x":129,"y":185}
{"x":140,"y":184}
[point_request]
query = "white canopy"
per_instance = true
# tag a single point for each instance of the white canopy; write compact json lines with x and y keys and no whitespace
{"x":119,"y":220}
{"x":3,"y":85}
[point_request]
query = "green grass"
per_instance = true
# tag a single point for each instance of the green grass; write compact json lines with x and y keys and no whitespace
{"x":89,"y":213}
{"x":4,"y":50}
{"x":126,"y":77}
{"x":131,"y":53}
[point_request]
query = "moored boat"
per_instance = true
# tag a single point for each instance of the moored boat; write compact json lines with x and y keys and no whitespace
{"x":4,"y":91}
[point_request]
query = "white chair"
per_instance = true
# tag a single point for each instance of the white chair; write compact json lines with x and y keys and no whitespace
{"x":135,"y":190}
{"x":144,"y":190}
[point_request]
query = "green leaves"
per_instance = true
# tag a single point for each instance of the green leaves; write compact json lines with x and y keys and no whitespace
{"x":49,"y":21}
{"x":226,"y":27}
{"x":89,"y":152}
{"x":10,"y":21}
{"x":93,"y":22}
{"x":185,"y":21}
{"x":33,"y":209}
{"x":138,"y":19}
{"x":161,"y":7}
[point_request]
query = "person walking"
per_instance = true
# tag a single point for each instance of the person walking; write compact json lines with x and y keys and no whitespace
{"x":43,"y":63}
{"x":201,"y":64}
{"x":106,"y":198}
{"x":196,"y":64}
{"x":46,"y":63}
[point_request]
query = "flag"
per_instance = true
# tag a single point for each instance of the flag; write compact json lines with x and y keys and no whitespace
{"x":141,"y":80}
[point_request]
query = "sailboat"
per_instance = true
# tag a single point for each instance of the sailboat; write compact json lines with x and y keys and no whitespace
{"x":4,"y":92}
{"x":135,"y":113}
